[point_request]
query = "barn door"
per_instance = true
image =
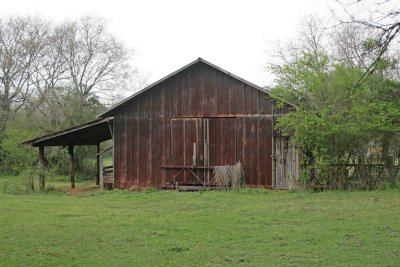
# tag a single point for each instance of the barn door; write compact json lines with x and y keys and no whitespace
{"x":187,"y":148}
{"x":286,"y":164}
{"x":247,"y":140}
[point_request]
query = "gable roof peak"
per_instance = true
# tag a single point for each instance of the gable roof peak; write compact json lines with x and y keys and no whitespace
{"x":107,"y":112}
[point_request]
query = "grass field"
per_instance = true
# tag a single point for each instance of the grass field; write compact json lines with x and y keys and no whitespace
{"x":238,"y":228}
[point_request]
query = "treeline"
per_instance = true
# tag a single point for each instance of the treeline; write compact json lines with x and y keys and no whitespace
{"x":53,"y":76}
{"x":344,"y":82}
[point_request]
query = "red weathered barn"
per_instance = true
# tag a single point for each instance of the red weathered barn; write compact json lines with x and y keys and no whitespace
{"x":179,"y":128}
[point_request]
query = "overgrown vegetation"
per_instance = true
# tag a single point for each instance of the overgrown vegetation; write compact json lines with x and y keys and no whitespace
{"x":246,"y":227}
{"x":349,"y":131}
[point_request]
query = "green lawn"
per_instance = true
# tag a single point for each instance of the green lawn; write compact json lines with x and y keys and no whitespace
{"x":238,"y":228}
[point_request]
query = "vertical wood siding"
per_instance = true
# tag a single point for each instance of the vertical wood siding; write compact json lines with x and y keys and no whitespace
{"x":159,"y":127}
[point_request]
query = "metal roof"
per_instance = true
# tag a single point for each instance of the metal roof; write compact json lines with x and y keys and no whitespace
{"x":89,"y":133}
{"x":174,"y":73}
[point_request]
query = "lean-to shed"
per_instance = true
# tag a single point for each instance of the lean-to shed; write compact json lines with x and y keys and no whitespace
{"x":179,"y":128}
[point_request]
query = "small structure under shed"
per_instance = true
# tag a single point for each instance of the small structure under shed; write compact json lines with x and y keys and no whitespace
{"x":178,"y":129}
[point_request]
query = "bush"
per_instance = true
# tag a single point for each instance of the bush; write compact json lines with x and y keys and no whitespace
{"x":15,"y":157}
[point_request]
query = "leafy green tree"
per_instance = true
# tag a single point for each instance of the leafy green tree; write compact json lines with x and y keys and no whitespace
{"x":337,"y":120}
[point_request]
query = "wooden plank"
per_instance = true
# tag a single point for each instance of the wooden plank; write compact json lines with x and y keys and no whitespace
{"x":163,"y":153}
{"x":185,"y":93}
{"x":225,"y":96}
{"x":135,"y":151}
{"x":247,"y":99}
{"x":216,"y":141}
{"x":128,"y":146}
{"x":117,"y":163}
{"x":235,"y":97}
{"x":169,"y":147}
{"x":159,"y":150}
{"x":208,"y":96}
{"x":247,"y":153}
{"x":268,"y":152}
{"x":253,"y":144}
{"x":123,"y":146}
{"x":239,"y":139}
{"x":219,"y":93}
{"x":232,"y":142}
{"x":148,"y":153}
{"x":174,"y":97}
{"x":167,"y":98}
{"x":191,"y":100}
{"x":265,"y":104}
{"x":187,"y":147}
{"x":262,"y":151}
{"x":143,"y":131}
{"x":179,"y":94}
{"x":196,"y":101}
{"x":213,"y":85}
{"x":224,"y":139}
{"x":261,"y":164}
{"x":154,"y":151}
{"x":176,"y":143}
{"x":255,"y":100}
{"x":201,"y":96}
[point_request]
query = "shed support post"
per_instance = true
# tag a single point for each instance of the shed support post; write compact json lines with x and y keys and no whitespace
{"x":98,"y":164}
{"x":72,"y":164}
{"x":101,"y":172}
{"x":42,"y":163}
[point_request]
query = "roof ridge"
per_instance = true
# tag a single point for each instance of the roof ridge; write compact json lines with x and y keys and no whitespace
{"x":176,"y":72}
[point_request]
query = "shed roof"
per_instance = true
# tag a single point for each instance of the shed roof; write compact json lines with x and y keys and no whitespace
{"x":107,"y":112}
{"x":89,"y":133}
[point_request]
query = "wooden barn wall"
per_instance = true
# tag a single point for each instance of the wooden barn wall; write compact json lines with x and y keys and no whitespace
{"x":240,"y":118}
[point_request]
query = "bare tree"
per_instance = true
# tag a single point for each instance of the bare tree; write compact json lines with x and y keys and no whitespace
{"x":96,"y":63}
{"x":81,"y":64}
{"x":21,"y":42}
{"x":383,"y":16}
{"x":63,"y":71}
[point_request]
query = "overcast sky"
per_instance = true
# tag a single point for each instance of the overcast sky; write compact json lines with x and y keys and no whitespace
{"x":166,"y":35}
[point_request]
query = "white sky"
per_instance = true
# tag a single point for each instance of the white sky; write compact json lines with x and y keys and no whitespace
{"x":167,"y":35}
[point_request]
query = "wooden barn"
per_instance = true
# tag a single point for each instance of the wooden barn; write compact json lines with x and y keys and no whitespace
{"x":177,"y":130}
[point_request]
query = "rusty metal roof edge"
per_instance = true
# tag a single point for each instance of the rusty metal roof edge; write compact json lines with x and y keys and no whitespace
{"x":68,"y":130}
{"x":176,"y":72}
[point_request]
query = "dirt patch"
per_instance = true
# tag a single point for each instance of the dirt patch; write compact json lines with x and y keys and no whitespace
{"x":78,"y":190}
{"x":135,"y":188}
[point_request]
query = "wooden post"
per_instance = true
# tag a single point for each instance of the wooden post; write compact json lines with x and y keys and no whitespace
{"x":42,"y":163}
{"x":98,"y":164}
{"x":72,"y":164}
{"x":101,"y":172}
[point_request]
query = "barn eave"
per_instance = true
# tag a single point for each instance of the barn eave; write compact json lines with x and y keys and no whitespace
{"x":90,"y":133}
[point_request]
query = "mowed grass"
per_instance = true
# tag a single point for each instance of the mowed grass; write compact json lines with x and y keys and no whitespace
{"x":249,"y":227}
